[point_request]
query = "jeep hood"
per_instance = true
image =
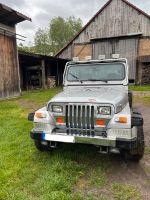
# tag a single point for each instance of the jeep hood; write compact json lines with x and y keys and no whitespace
{"x":114,"y":96}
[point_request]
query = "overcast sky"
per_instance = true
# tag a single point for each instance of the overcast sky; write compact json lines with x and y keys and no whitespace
{"x":41,"y":11}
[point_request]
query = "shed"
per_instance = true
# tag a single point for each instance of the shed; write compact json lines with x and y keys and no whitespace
{"x":9,"y":68}
{"x":38,"y":71}
{"x":119,"y":27}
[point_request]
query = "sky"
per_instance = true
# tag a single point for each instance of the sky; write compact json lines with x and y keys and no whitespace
{"x":42,"y":11}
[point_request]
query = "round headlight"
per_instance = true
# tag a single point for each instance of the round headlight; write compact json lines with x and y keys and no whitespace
{"x":104,"y":110}
{"x":57,"y":109}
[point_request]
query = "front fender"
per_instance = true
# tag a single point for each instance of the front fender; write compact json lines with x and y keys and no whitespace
{"x":44,"y":124}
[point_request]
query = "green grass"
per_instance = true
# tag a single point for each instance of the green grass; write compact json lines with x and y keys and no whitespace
{"x":125,"y":192}
{"x":147,"y":151}
{"x":26,"y":173}
{"x":66,"y":173}
{"x":145,"y":100}
{"x":140,"y":88}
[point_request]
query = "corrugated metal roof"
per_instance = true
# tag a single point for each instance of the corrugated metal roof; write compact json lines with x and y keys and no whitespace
{"x":10,"y":17}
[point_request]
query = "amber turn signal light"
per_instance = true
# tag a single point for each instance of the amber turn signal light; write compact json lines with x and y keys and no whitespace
{"x":60,"y":120}
{"x":100,"y":122}
{"x":123,"y":119}
{"x":40,"y":115}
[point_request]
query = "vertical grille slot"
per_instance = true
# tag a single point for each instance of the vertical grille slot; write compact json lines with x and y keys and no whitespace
{"x":92,"y":117}
{"x":71,"y":117}
{"x":80,"y":119}
{"x":88,"y":117}
{"x":67,"y":123}
{"x":83,"y":117}
{"x":75,"y":117}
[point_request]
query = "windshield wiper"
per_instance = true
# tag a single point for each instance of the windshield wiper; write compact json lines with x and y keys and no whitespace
{"x":105,"y":81}
{"x":77,"y":78}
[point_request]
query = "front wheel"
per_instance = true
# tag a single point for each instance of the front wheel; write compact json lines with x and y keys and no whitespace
{"x":137,"y":153}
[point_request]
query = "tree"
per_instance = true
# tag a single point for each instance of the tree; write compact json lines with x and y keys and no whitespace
{"x":61,"y":31}
{"x":21,"y":47}
{"x":51,"y":39}
{"x":41,"y":41}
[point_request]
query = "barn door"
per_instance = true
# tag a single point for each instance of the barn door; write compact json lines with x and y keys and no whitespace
{"x":127,"y":48}
{"x":82,"y":50}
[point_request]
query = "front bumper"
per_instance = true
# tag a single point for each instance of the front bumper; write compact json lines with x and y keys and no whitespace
{"x":96,"y":140}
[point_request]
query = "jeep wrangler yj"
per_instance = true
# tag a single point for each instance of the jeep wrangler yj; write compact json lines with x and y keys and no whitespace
{"x":95,"y":108}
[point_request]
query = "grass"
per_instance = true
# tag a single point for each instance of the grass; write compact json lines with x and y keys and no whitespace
{"x":147,"y":151}
{"x":125,"y":192}
{"x":140,"y":88}
{"x":71,"y":172}
{"x":145,"y":100}
{"x":26,"y":173}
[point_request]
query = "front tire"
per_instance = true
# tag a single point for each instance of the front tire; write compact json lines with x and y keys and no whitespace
{"x":137,"y":153}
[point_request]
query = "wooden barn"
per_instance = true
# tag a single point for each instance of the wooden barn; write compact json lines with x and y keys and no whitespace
{"x":119,"y":27}
{"x":9,"y":69}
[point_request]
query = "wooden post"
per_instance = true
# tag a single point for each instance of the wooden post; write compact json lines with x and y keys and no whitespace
{"x":43,"y":74}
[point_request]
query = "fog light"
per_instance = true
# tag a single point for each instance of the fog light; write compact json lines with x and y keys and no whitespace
{"x":60,"y":120}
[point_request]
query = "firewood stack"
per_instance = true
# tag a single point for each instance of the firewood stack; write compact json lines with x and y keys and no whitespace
{"x":51,"y":82}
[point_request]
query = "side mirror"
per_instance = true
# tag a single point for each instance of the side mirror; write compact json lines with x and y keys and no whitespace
{"x":31,"y":116}
{"x":131,"y":81}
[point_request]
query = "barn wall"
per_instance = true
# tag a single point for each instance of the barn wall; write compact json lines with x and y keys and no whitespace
{"x":82,"y":50}
{"x":144,"y":47}
{"x":9,"y":78}
{"x":8,"y":28}
{"x":116,"y":19}
{"x":67,"y":53}
{"x":127,"y":48}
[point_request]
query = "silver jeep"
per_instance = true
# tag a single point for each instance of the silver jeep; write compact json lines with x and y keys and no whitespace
{"x":95,"y":108}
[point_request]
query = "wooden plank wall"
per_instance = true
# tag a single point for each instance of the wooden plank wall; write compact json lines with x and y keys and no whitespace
{"x":144,"y":47}
{"x":9,"y":78}
{"x":8,"y":28}
{"x":116,"y":19}
{"x":82,"y":51}
{"x":68,"y":53}
{"x":127,"y":48}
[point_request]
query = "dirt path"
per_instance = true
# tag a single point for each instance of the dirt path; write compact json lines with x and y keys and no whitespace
{"x":124,"y":172}
{"x":137,"y":175}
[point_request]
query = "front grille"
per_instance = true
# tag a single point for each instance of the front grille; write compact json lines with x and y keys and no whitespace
{"x":80,"y":119}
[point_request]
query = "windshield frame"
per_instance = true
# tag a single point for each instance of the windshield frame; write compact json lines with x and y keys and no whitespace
{"x":93,"y":81}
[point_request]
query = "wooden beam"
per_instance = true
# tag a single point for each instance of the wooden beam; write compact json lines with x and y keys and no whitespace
{"x":43,"y":74}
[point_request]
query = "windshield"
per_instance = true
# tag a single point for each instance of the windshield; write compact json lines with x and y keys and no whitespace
{"x":96,"y":72}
